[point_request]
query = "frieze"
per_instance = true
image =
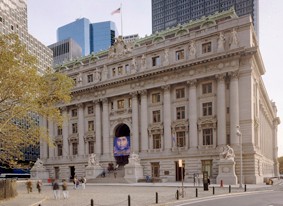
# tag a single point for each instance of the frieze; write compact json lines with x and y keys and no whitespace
{"x":89,"y":136}
{"x":73,"y":138}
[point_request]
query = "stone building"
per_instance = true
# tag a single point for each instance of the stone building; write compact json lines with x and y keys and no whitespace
{"x":179,"y":95}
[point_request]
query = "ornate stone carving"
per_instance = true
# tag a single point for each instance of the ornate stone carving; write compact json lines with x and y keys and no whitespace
{"x":166,"y":57}
{"x":143,"y":62}
{"x":234,"y":42}
{"x":220,"y":77}
{"x":134,"y":66}
{"x":93,"y":160}
{"x":192,"y":82}
{"x":118,"y":49}
{"x":192,"y":50}
{"x":221,"y":42}
{"x":228,"y":153}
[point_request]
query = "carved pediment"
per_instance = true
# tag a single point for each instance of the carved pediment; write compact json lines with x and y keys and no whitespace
{"x":73,"y":138}
{"x":155,"y":128}
{"x":207,"y":122}
{"x":59,"y":139}
{"x":119,"y":48}
{"x":89,"y":136}
{"x":180,"y":125}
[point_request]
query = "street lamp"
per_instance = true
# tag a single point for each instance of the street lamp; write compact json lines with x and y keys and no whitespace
{"x":239,"y":134}
{"x":182,"y":177}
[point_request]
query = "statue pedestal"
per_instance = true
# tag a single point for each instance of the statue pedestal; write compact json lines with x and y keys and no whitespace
{"x":91,"y":172}
{"x":226,"y":172}
{"x":133,"y":170}
{"x":39,"y":174}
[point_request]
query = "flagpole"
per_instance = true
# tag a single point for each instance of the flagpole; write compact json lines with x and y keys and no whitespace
{"x":121,"y":21}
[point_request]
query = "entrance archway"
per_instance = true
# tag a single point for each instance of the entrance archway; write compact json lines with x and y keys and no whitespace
{"x":122,"y":144}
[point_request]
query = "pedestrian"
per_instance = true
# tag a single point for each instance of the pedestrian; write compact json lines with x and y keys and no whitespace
{"x":55,"y":187}
{"x":65,"y":189}
{"x":83,"y":181}
{"x":29,"y":186}
{"x":75,"y":182}
{"x":39,"y":185}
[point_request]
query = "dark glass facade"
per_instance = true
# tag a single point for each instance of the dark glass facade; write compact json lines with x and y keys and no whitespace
{"x":170,"y":13}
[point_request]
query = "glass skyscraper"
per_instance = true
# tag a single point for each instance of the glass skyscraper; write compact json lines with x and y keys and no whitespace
{"x":170,"y":13}
{"x":92,"y":37}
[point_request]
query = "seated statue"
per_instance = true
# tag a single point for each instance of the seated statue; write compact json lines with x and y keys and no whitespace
{"x":134,"y":158}
{"x":228,"y":153}
{"x":92,"y":160}
{"x":38,"y":163}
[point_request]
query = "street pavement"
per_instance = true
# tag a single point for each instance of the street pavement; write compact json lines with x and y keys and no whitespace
{"x":137,"y":194}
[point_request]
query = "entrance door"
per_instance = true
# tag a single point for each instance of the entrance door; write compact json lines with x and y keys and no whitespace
{"x":72,"y":172}
{"x":57,"y":172}
{"x":178,"y":171}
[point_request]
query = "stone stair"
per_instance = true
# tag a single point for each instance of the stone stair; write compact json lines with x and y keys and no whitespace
{"x":110,"y":178}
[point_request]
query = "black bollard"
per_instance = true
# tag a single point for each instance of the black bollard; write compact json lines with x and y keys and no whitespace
{"x":129,"y":200}
{"x":91,"y":202}
{"x":156,"y":198}
{"x":229,"y":188}
{"x":177,"y":194}
{"x":196,"y":192}
{"x":213,"y":190}
{"x":245,"y":188}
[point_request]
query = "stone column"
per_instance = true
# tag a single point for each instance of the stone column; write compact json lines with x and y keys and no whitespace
{"x":43,"y":143}
{"x":65,"y":132}
{"x":135,"y":123}
{"x":106,"y":127}
{"x":234,"y":106}
{"x":193,"y":133}
{"x":98,"y":128}
{"x":221,"y":110}
{"x":144,"y":121}
{"x":51,"y":136}
{"x":167,"y":118}
{"x":81,"y":130}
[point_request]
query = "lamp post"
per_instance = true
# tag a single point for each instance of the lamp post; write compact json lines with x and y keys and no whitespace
{"x":239,"y":134}
{"x":182,"y":178}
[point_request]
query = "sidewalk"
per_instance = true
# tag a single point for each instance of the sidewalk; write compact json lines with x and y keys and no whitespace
{"x":141,"y":194}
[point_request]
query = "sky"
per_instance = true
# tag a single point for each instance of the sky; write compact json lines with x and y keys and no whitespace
{"x":44,"y":17}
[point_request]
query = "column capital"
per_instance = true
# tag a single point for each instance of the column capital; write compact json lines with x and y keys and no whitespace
{"x":80,"y":105}
{"x":104,"y":100}
{"x":143,"y":92}
{"x":234,"y":74}
{"x":63,"y":109}
{"x":134,"y":94}
{"x":192,"y":82}
{"x":166,"y":87}
{"x":97,"y":101}
{"x":220,"y":77}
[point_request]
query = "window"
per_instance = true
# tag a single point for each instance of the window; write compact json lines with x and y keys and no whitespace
{"x":113,"y":72}
{"x":90,"y":78}
{"x":120,"y":70}
{"x":206,"y":47}
{"x":207,"y":166}
{"x":130,"y":102}
{"x":90,"y":109}
{"x":59,"y":130}
{"x":156,"y":116}
{"x":207,"y":137}
{"x":74,"y":112}
{"x":155,"y":98}
{"x":127,"y":68}
{"x":181,"y":139}
{"x":112,"y":105}
{"x":60,"y":150}
{"x":91,"y":147}
{"x":156,"y":61}
{"x":207,"y":109}
{"x":207,"y":88}
{"x":180,"y":93}
{"x":90,"y":125}
{"x":121,"y":104}
{"x":180,"y":55}
{"x":155,"y":169}
{"x":74,"y":128}
{"x":75,"y":148}
{"x":180,"y":113}
{"x":156,"y":138}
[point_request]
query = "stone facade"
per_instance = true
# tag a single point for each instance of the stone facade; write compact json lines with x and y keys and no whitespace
{"x":181,"y":93}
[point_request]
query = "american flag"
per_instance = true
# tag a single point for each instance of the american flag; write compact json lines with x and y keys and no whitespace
{"x":117,"y":11}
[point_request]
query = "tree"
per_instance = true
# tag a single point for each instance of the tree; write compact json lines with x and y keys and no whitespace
{"x":25,"y":95}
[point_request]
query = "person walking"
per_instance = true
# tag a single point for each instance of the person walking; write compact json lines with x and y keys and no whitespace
{"x":29,"y":186}
{"x":65,"y":189}
{"x":39,"y":185}
{"x":83,"y":181}
{"x":56,"y":192}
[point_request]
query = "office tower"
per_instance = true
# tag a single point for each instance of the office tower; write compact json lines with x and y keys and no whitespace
{"x":13,"y":19}
{"x":65,"y":51}
{"x":102,"y":35}
{"x":79,"y":31}
{"x":178,"y":95}
{"x":169,"y":13}
{"x":91,"y":37}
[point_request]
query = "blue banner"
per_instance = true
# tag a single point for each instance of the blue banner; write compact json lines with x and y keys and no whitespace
{"x":122,"y":146}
